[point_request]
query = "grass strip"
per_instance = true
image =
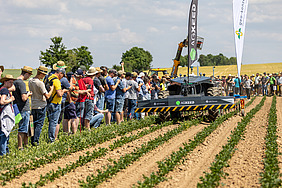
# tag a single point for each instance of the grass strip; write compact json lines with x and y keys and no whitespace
{"x":221,"y":160}
{"x":270,"y":176}
{"x":52,"y":175}
{"x":124,"y":161}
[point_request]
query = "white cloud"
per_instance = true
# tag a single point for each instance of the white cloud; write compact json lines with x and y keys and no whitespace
{"x":153,"y":30}
{"x":80,"y":25}
{"x":33,"y":4}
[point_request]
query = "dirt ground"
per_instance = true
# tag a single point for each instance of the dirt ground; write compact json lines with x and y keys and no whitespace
{"x":245,"y":164}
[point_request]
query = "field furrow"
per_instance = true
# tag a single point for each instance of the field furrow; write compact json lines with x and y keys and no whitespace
{"x":279,"y":130}
{"x":71,"y":179}
{"x":246,"y":164}
{"x":146,"y":164}
{"x":75,"y":156}
{"x":199,"y":160}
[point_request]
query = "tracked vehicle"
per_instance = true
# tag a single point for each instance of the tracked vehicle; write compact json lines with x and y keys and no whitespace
{"x":200,"y":94}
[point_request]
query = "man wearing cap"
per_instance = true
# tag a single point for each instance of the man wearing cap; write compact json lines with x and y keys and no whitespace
{"x":110,"y":95}
{"x":38,"y":102}
{"x":21,"y":99}
{"x":7,"y":116}
{"x":89,"y":101}
{"x":83,"y":92}
{"x":54,"y":107}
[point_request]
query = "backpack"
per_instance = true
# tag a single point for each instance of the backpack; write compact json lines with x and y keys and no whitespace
{"x":48,"y":83}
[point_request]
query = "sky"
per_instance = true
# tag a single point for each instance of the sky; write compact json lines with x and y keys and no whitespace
{"x":109,"y":28}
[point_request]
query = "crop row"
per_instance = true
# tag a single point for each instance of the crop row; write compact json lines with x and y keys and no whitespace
{"x":221,"y":160}
{"x":270,"y":176}
{"x":73,"y":144}
{"x":168,"y":164}
{"x":52,"y":175}
{"x":124,"y":161}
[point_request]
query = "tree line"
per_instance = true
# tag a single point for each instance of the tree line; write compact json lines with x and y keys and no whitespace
{"x":210,"y":60}
{"x":134,"y":58}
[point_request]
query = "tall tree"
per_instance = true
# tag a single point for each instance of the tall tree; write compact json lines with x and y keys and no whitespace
{"x":79,"y":56}
{"x":137,"y":58}
{"x":56,"y":52}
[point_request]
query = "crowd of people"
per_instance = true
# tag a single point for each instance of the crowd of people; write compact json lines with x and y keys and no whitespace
{"x":254,"y":85}
{"x":83,"y":98}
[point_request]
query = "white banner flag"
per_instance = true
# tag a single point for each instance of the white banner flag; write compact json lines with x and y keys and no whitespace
{"x":239,"y":16}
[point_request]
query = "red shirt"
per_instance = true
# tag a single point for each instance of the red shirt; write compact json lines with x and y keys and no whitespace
{"x":81,"y":86}
{"x":89,"y":85}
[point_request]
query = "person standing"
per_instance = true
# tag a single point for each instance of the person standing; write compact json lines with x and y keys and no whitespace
{"x":89,"y":101}
{"x":237,"y":85}
{"x":247,"y":85}
{"x":22,"y":101}
{"x":120,"y":92}
{"x":54,"y":107}
{"x":7,"y":116}
{"x":132,"y":93}
{"x":101,"y":99}
{"x":272,"y":82}
{"x":110,"y":95}
{"x":264,"y":84}
{"x":38,"y":102}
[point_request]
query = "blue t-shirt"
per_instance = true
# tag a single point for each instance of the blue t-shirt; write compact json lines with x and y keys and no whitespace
{"x":120,"y":87}
{"x":237,"y":82}
{"x":65,"y":85}
{"x":110,"y":94}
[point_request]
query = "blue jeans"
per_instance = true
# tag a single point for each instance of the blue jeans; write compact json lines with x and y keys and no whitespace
{"x":80,"y":106}
{"x":96,"y":120}
{"x":53,"y":112}
{"x":264,"y":90}
{"x":131,"y":107}
{"x":23,"y":124}
{"x":4,"y":141}
{"x":38,"y":122}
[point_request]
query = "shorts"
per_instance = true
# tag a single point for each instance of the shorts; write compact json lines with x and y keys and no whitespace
{"x":110,"y":105}
{"x":119,"y":105}
{"x":24,"y":123}
{"x":70,"y":112}
{"x":79,"y":106}
{"x":89,"y":108}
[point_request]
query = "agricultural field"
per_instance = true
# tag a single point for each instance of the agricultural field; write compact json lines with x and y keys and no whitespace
{"x":248,"y":69}
{"x":233,"y":151}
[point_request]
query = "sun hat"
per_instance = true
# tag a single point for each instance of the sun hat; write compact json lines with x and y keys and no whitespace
{"x":2,"y":68}
{"x":27,"y":69}
{"x":98,"y":70}
{"x":59,"y":64}
{"x":91,"y":71}
{"x":83,"y":68}
{"x":7,"y":77}
{"x":42,"y":69}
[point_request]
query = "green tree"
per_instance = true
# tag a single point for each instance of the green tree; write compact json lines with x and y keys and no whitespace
{"x":216,"y":60}
{"x":79,"y":56}
{"x":137,"y":58}
{"x":56,"y":52}
{"x":184,"y":61}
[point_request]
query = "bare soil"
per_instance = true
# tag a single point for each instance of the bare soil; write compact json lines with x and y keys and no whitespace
{"x":199,"y":160}
{"x":279,"y":130}
{"x":247,"y":162}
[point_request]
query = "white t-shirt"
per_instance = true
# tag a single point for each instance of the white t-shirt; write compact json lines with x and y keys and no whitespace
{"x":38,"y":100}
